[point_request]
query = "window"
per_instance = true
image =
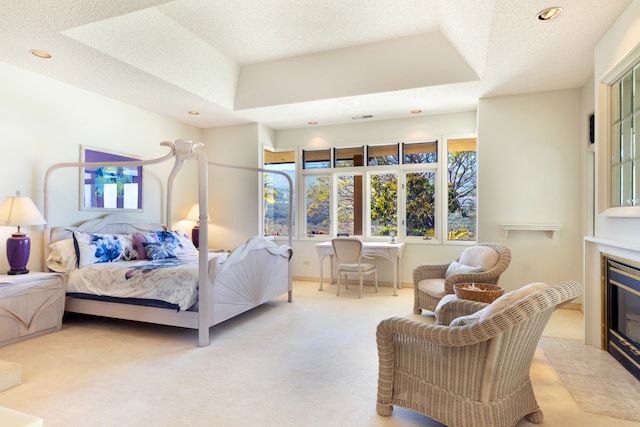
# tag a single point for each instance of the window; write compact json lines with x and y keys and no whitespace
{"x":316,"y":159}
{"x":421,"y":152}
{"x":317,"y":205}
{"x":348,"y":157}
{"x":349,"y":204}
{"x":276,"y":196}
{"x":380,"y":155}
{"x":383,"y":205}
{"x":461,"y":186}
{"x":625,"y":145}
{"x":416,"y":190}
{"x":420,"y":196}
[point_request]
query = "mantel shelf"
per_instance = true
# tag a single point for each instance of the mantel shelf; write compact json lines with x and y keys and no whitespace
{"x":531,"y":227}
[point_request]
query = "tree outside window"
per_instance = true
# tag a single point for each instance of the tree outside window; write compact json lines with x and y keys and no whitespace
{"x":420,"y":197}
{"x":383,"y":207}
{"x":461,"y":189}
{"x":317,"y":204}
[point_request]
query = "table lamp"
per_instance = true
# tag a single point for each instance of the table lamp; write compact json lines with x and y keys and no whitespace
{"x":194,"y":215}
{"x":19,"y":211}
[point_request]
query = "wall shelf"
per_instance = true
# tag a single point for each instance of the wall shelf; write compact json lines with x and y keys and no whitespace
{"x":552,"y":228}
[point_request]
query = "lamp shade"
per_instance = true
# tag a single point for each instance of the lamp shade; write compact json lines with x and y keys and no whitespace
{"x":194,"y":213}
{"x":20,"y":210}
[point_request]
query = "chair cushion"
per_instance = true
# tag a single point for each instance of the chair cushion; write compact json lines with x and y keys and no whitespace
{"x":510,"y":298}
{"x":457,"y":268}
{"x":480,"y":256}
{"x":354,"y":267}
{"x":432,"y":287}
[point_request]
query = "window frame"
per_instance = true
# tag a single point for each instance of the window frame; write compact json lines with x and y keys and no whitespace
{"x":604,"y":140}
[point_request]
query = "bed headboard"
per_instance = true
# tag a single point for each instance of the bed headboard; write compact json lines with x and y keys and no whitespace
{"x":112,"y":223}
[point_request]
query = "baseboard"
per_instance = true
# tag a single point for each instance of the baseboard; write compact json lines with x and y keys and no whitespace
{"x":368,"y":282}
{"x":573,"y":306}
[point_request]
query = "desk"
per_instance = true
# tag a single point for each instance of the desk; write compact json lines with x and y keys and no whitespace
{"x":390,"y":251}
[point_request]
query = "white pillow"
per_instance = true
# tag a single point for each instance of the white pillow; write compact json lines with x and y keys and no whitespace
{"x":511,"y":297}
{"x":480,"y":256}
{"x":62,"y":258}
{"x":95,"y":248}
{"x":468,"y":319}
{"x":457,"y":268}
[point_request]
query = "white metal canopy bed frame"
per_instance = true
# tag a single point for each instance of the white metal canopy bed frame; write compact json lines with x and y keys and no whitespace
{"x":202,"y":319}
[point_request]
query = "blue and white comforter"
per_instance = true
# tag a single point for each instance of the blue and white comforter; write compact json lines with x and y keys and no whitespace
{"x":173,"y":280}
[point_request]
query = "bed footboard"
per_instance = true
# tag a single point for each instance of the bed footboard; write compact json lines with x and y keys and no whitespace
{"x":254,"y":273}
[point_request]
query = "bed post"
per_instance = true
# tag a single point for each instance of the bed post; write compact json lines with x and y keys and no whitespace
{"x":203,"y":250}
{"x":188,"y":150}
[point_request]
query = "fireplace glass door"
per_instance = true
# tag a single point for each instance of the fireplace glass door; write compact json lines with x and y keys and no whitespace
{"x":623,"y":314}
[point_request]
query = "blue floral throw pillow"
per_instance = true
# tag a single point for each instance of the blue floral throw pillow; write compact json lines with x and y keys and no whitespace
{"x":94,"y":248}
{"x":164,"y":242}
{"x":178,"y":239}
{"x":160,"y":250}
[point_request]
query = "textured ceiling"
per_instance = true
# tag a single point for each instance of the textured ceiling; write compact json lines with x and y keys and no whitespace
{"x":286,"y":62}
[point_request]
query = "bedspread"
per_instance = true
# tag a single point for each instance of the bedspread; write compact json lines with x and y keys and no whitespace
{"x":173,"y":280}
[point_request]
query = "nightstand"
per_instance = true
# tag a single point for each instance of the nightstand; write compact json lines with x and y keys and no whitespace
{"x":30,"y":305}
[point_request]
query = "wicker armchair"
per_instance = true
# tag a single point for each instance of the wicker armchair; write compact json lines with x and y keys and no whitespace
{"x":473,"y":375}
{"x":430,"y":282}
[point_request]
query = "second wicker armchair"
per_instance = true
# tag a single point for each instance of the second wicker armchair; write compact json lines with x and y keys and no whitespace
{"x":482,"y":263}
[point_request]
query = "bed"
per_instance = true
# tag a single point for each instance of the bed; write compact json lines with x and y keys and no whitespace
{"x":124,"y":267}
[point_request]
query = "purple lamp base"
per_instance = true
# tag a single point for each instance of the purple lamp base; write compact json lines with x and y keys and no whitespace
{"x":195,"y":236}
{"x":18,"y":248}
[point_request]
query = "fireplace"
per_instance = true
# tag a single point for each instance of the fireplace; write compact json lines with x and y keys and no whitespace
{"x":622,"y":308}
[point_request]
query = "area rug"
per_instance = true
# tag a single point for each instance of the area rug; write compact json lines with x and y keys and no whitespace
{"x":596,"y":381}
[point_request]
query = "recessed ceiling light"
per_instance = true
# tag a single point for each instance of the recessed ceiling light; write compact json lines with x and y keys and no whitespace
{"x":194,"y":113}
{"x":41,"y":54}
{"x":348,"y":102}
{"x":416,"y":111}
{"x":312,"y":123}
{"x":549,"y":13}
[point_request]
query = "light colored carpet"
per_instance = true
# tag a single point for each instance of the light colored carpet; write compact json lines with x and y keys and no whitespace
{"x":598,"y":383}
{"x":312,"y":362}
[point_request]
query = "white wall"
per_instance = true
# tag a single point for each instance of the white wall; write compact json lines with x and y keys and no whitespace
{"x":234,"y":199}
{"x":43,"y":121}
{"x":530,"y":150}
